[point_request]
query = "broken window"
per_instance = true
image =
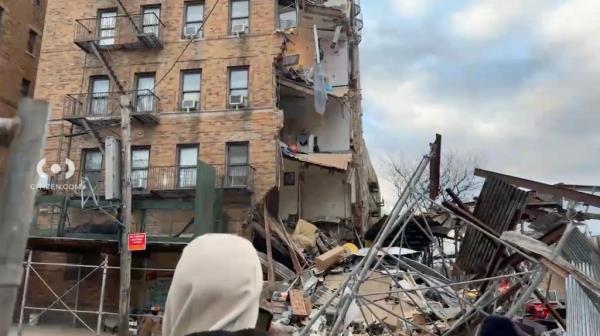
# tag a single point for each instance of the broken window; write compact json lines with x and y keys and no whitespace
{"x":240,"y":14}
{"x":287,"y":13}
{"x":92,"y":165}
{"x":194,"y":16}
{"x":237,"y":164}
{"x":188,"y":161}
{"x":151,"y":19}
{"x":31,"y":41}
{"x":144,"y":96}
{"x":139,"y":167}
{"x":107,"y":27}
{"x":190,"y":89}
{"x":99,"y":87}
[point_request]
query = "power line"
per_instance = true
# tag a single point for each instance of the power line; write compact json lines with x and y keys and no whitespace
{"x":187,"y":45}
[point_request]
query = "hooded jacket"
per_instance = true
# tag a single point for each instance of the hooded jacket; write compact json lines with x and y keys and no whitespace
{"x":215,"y":289}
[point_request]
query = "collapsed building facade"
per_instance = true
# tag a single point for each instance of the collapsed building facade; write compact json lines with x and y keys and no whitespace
{"x":228,"y":99}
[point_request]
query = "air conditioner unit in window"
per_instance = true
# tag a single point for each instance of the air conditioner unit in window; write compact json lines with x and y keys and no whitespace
{"x":192,"y":32}
{"x":239,"y":29}
{"x":189,"y":105}
{"x":138,"y":183}
{"x":237,"y":101}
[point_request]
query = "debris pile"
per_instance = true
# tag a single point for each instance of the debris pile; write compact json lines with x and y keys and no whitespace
{"x":440,"y":268}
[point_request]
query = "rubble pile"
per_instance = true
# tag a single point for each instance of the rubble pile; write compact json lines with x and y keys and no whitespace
{"x":509,"y":254}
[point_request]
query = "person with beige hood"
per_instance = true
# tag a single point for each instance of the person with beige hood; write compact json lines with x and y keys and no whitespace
{"x":215,"y":290}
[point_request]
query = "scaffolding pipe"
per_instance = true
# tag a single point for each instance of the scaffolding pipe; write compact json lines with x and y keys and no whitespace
{"x":102,"y":290}
{"x":24,"y":295}
{"x":372,"y":253}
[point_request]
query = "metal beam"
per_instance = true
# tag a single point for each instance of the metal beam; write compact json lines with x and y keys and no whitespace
{"x":542,"y":187}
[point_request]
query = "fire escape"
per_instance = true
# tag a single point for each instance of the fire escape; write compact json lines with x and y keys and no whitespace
{"x":96,"y":111}
{"x":98,"y":108}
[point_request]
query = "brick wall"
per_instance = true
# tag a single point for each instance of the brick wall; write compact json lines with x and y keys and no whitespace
{"x":18,"y":18}
{"x":66,"y":69}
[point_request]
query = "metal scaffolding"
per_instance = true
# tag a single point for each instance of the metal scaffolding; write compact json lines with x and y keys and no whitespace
{"x":31,"y":267}
{"x":351,"y":303}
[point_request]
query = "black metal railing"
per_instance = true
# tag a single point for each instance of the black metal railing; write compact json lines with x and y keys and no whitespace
{"x":127,"y":31}
{"x":108,"y":104}
{"x":235,"y":176}
{"x":165,"y":178}
{"x":155,"y":178}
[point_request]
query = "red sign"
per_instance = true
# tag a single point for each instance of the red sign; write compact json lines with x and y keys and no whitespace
{"x":136,"y":241}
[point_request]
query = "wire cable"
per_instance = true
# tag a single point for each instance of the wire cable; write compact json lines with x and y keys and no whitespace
{"x":187,"y":45}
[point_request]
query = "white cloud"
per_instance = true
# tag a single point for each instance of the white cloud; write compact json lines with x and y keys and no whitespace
{"x":528,"y":106}
{"x":411,"y":8}
{"x":573,"y":30}
{"x":488,"y":19}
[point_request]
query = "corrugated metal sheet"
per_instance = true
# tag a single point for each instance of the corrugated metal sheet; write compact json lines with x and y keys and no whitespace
{"x":499,"y":206}
{"x":583,"y":316}
{"x":579,"y":250}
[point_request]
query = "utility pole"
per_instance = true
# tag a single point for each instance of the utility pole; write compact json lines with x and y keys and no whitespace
{"x":125,"y":257}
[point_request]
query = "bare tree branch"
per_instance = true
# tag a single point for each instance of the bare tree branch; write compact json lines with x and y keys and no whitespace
{"x":456,"y":174}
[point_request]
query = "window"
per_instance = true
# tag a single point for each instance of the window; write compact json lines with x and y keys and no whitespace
{"x":1,"y":17}
{"x":31,"y":41}
{"x":237,"y":165}
{"x":92,"y":165}
{"x":286,"y":11}
{"x":37,"y":2}
{"x":151,"y":20}
{"x":240,"y":10}
{"x":144,"y":97}
{"x":25,"y":87}
{"x":238,"y":82}
{"x":188,"y":160}
{"x":107,"y":27}
{"x":139,"y":168}
{"x":194,"y":15}
{"x":190,"y":89}
{"x":99,"y":88}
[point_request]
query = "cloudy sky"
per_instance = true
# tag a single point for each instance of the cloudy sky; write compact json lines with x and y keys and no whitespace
{"x":516,"y":82}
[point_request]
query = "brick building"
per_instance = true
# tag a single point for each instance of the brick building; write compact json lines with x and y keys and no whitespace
{"x":21,"y":27}
{"x":235,"y":99}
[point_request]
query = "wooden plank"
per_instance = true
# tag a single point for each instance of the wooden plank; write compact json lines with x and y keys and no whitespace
{"x":298,"y":304}
{"x":270,"y":270}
